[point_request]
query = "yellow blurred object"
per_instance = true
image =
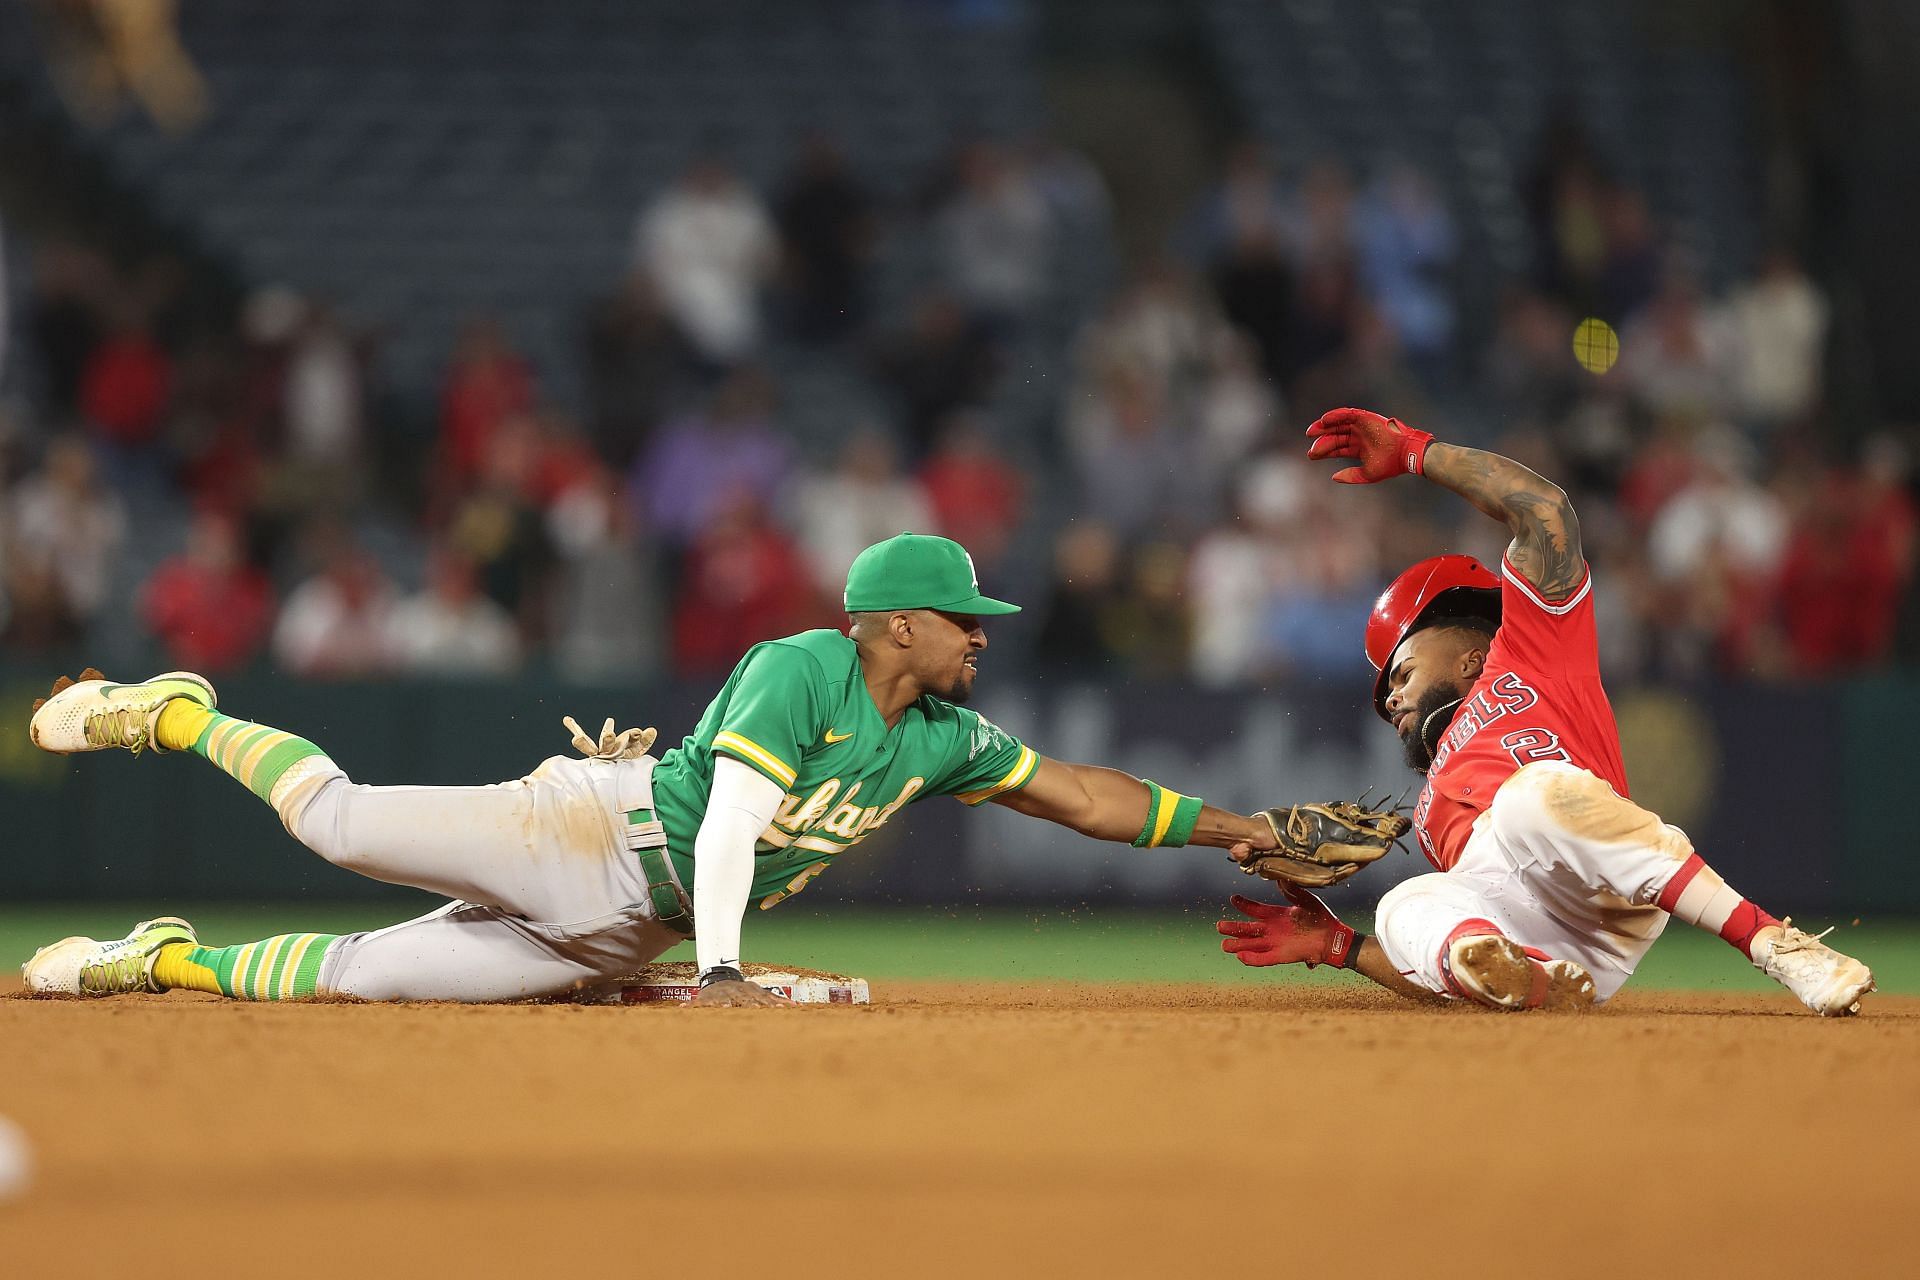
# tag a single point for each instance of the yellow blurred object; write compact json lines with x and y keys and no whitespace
{"x":1673,"y":758}
{"x":1595,"y":345}
{"x":104,"y":51}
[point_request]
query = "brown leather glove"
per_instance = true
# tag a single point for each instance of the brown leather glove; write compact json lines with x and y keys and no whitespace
{"x":1324,"y":843}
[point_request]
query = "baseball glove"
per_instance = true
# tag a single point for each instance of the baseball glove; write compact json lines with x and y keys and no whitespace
{"x":1324,"y":843}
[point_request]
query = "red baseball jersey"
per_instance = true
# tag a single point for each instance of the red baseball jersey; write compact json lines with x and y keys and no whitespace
{"x":1538,"y":698}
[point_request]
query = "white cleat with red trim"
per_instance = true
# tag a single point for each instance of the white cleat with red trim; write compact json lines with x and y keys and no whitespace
{"x":1499,"y":973}
{"x":1825,"y":980}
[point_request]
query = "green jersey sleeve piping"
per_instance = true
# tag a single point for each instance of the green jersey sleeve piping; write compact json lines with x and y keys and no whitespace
{"x":1017,"y":777}
{"x":773,"y":712}
{"x":754,"y":756}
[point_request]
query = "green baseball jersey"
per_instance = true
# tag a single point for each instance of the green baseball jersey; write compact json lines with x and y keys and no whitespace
{"x":797,"y":710}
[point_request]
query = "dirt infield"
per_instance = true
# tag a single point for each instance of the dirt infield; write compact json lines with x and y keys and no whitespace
{"x":983,"y":1130}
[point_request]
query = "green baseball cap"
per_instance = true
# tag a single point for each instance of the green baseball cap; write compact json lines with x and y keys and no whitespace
{"x":918,"y":571}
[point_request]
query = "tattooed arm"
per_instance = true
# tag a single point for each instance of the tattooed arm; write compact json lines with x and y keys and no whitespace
{"x":1546,"y":533}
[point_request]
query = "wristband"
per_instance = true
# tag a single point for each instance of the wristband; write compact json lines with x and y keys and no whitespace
{"x":1351,"y":952}
{"x":1170,"y":817}
{"x":1186,"y":814}
{"x":1155,"y":792}
{"x":1413,"y":445}
{"x":721,"y":973}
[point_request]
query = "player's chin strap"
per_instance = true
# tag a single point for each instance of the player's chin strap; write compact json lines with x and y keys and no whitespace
{"x":1429,"y":731}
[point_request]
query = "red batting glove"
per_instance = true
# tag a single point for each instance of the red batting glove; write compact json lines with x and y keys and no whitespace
{"x":1305,"y":933}
{"x":1385,"y":447}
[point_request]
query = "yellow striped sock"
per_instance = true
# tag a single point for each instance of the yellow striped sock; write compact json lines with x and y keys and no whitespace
{"x":283,"y":967}
{"x":258,"y":755}
{"x":175,"y":967}
{"x":181,"y":723}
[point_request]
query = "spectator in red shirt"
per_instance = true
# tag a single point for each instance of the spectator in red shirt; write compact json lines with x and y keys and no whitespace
{"x":1661,"y":469}
{"x":743,"y":582}
{"x":1847,"y":563}
{"x":977,"y":494}
{"x":487,"y":382}
{"x":564,"y":459}
{"x":124,"y":386}
{"x":210,"y":609}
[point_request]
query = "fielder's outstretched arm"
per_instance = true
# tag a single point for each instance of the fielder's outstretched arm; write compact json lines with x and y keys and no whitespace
{"x":1546,"y":534}
{"x":1108,"y":804}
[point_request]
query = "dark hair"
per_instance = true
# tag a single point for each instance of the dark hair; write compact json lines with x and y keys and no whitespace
{"x":1480,"y":626}
{"x":864,"y":620}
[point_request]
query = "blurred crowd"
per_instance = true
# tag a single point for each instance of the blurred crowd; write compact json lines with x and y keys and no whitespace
{"x":1160,"y":512}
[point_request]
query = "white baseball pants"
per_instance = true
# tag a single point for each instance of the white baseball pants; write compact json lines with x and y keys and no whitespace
{"x":546,"y":893}
{"x":1560,"y":861}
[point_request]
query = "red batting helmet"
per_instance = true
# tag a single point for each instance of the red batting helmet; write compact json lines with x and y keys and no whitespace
{"x":1442,"y":587}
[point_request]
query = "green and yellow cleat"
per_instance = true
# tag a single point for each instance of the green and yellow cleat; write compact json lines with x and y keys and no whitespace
{"x":92,"y":713}
{"x":87,"y":967}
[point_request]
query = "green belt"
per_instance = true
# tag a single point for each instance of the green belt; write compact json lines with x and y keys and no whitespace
{"x":670,"y":902}
{"x":671,"y":905}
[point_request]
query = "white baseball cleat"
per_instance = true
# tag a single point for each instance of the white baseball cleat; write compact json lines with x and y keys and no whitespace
{"x":1826,"y":981}
{"x":93,"y":713}
{"x":1497,"y":972}
{"x":86,"y":967}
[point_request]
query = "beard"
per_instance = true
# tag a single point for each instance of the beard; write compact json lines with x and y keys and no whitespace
{"x":960,"y":690}
{"x":1431,"y":716}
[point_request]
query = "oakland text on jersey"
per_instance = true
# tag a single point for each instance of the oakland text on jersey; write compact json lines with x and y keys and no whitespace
{"x":1504,"y":695}
{"x":796,"y":820}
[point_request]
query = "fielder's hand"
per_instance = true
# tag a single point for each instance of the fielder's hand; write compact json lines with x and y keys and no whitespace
{"x":1304,"y":933}
{"x":1321,"y":844}
{"x":720,"y":995}
{"x":1384,"y":447}
{"x":628,"y":744}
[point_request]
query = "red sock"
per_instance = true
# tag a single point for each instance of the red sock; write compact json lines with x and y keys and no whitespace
{"x":1698,"y":895}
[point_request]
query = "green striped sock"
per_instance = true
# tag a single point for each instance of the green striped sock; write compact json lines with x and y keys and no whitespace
{"x":283,"y":967}
{"x":258,"y":755}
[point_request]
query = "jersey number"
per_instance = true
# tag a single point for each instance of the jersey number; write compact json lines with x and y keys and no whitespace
{"x":1528,"y":745}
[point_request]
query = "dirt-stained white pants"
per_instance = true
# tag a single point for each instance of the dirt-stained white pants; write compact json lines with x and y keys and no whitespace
{"x":1560,"y":861}
{"x":546,"y":893}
